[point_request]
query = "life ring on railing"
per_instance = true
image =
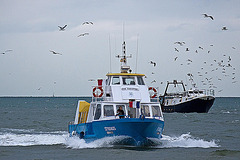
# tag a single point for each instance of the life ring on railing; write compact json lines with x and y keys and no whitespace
{"x":95,"y":93}
{"x":154,"y":90}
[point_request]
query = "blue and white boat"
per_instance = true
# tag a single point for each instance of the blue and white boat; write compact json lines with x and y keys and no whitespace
{"x":142,"y":120}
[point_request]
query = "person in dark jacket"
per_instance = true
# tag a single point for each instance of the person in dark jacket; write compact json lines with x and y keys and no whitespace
{"x":120,"y":112}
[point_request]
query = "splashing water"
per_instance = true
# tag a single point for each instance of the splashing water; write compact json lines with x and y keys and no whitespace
{"x":186,"y":141}
{"x":9,"y":137}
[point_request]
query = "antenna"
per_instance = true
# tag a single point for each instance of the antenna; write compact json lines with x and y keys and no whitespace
{"x":123,"y":58}
{"x":123,"y":31}
{"x":137,"y":55}
{"x":110,"y":54}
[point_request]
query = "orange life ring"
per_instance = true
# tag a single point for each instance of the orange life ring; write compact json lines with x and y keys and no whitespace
{"x":95,"y":94}
{"x":154,"y":90}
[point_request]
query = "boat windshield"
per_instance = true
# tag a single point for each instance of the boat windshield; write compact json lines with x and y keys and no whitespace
{"x":116,"y":80}
{"x":108,"y":110}
{"x":140,"y":81}
{"x":131,"y":112}
{"x":145,"y":110}
{"x":128,"y":80}
{"x":97,"y":112}
{"x":156,"y":111}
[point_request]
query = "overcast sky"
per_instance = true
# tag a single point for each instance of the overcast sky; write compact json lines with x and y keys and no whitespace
{"x":30,"y":29}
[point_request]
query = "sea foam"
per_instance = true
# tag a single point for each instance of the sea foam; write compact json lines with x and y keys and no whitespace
{"x":30,"y":138}
{"x":185,"y":141}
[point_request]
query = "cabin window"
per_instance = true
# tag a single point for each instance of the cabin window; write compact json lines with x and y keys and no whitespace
{"x":145,"y":110}
{"x":123,"y":108}
{"x":97,"y":112}
{"x":128,"y":81}
{"x":132,"y":112}
{"x":156,"y":111}
{"x":140,"y":81}
{"x":115,"y":80}
{"x":108,"y":110}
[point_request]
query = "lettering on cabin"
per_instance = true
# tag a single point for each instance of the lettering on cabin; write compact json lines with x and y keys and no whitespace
{"x":130,"y":89}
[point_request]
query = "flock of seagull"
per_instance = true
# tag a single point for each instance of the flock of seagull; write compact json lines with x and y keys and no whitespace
{"x":62,"y":28}
{"x":221,"y":68}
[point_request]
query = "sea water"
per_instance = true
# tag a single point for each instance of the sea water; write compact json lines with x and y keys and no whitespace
{"x":36,"y":128}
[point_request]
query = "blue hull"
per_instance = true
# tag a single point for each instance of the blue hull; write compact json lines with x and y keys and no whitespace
{"x":137,"y":130}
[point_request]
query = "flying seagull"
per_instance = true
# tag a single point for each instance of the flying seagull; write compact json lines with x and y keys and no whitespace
{"x":224,"y":28}
{"x":62,"y":28}
{"x":154,"y":81}
{"x":55,"y":52}
{"x":9,"y":50}
{"x":87,"y":23}
{"x":154,"y":63}
{"x":83,"y":34}
{"x":207,"y":16}
{"x":180,"y":43}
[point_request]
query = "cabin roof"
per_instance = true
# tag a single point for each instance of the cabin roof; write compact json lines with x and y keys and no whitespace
{"x":124,"y":74}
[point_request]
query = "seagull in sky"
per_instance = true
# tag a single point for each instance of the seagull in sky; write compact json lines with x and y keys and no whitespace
{"x":175,"y":58}
{"x":180,"y":43}
{"x":224,"y":28}
{"x":55,"y":52}
{"x":9,"y":50}
{"x":87,"y":23}
{"x":62,"y":28}
{"x":154,"y":81}
{"x":154,"y":63}
{"x":207,"y":16}
{"x":176,"y":50}
{"x":83,"y":34}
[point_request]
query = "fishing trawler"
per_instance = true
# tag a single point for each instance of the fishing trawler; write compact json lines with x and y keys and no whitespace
{"x":186,"y":101}
{"x":121,"y":106}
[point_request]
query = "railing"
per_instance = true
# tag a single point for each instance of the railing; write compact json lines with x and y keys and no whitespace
{"x":209,"y":92}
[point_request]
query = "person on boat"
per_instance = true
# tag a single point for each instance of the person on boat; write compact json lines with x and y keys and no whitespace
{"x":120,"y":112}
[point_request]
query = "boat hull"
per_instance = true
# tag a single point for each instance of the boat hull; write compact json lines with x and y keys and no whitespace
{"x":199,"y":105}
{"x":137,"y":130}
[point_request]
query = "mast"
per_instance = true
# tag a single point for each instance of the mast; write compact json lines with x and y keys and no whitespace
{"x":124,"y":67}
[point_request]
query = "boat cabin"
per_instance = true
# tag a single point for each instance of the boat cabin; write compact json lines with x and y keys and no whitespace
{"x":122,"y":87}
{"x":127,"y":91}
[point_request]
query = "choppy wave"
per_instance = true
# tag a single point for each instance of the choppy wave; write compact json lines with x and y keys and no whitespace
{"x":186,"y":141}
{"x":9,"y":137}
{"x":23,"y":137}
{"x":76,"y":143}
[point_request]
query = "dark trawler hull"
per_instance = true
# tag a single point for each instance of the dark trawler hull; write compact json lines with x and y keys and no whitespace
{"x":199,"y":105}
